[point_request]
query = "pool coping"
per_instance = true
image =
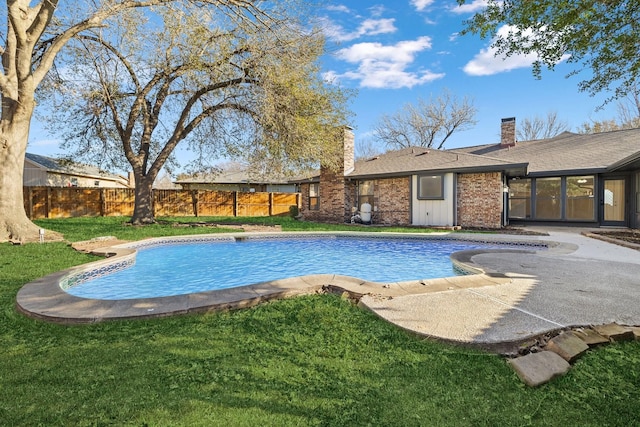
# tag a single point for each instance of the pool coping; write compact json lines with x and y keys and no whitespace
{"x":45,"y":299}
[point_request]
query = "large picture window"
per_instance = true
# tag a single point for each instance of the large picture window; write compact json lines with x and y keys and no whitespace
{"x":548,"y":200}
{"x":431,"y":187}
{"x":569,"y":198}
{"x":314,"y":196}
{"x":520,"y":199}
{"x":580,"y":201}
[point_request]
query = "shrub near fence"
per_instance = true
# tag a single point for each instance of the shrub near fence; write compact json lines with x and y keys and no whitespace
{"x":67,"y":202}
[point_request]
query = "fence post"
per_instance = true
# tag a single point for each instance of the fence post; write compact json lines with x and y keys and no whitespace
{"x":103,"y":203}
{"x":194,"y":202}
{"x":235,"y":203}
{"x":270,"y":204}
{"x":47,"y":204}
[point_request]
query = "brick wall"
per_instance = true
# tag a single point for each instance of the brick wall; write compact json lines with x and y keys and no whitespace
{"x":334,"y":203}
{"x":480,"y":200}
{"x":393,"y":196}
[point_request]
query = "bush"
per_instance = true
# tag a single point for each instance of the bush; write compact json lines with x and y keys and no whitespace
{"x":294,"y":212}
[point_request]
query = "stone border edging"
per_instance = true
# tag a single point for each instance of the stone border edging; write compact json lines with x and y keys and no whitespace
{"x":555,"y":358}
{"x":612,"y":240}
{"x":45,"y":299}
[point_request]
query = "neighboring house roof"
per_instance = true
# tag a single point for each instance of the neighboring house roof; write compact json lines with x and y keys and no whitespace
{"x":68,"y":167}
{"x":230,"y":177}
{"x":570,"y":152}
{"x":417,"y":159}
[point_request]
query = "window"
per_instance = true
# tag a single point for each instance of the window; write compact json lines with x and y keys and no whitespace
{"x":580,"y":201}
{"x":559,"y":198}
{"x":365,"y":193}
{"x":96,"y":183}
{"x":548,"y":200}
{"x":314,"y":196}
{"x":520,"y":198}
{"x":431,"y":187}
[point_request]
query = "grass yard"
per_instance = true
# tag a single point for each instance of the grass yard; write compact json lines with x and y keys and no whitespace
{"x":75,"y":229}
{"x":308,"y":361}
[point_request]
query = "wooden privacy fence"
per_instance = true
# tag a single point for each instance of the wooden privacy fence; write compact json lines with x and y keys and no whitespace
{"x":66,"y":202}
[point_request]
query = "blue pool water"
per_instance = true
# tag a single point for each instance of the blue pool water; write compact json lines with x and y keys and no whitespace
{"x":196,"y":267}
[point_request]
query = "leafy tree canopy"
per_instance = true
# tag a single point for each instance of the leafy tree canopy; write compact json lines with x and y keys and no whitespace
{"x":243,"y":86}
{"x":601,"y":37}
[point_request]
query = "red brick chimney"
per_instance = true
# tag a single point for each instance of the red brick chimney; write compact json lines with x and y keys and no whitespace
{"x":508,"y":132}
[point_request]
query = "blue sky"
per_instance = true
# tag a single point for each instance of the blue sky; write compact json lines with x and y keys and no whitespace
{"x":394,"y":52}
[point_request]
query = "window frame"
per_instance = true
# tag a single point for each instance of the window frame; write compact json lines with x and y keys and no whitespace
{"x":368,"y":196}
{"x":549,"y":201}
{"x":571,"y":199}
{"x":537,"y":198}
{"x":314,"y":188}
{"x":440,"y":195}
{"x":524,"y":199}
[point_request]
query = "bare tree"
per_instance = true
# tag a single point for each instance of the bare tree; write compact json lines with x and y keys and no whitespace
{"x":241,"y":88}
{"x":426,"y":124}
{"x":367,"y":148}
{"x":36,"y":32}
{"x":541,"y":128}
{"x":629,"y":109}
{"x":628,"y":115}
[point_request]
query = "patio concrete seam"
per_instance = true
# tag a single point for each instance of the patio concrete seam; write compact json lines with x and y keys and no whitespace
{"x":512,"y":307}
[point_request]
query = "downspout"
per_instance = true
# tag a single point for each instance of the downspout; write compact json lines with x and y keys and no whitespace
{"x":455,"y":199}
{"x":411,"y":195}
{"x":505,"y":200}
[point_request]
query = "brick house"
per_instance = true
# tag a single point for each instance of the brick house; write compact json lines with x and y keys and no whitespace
{"x":43,"y":171}
{"x":569,"y":179}
{"x":236,"y":180}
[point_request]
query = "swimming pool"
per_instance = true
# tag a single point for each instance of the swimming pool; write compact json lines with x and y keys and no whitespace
{"x":169,"y":268}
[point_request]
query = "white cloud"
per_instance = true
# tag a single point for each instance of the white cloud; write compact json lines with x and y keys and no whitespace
{"x":377,"y":10}
{"x":368,"y":27}
{"x":472,"y":7}
{"x":421,"y":5}
{"x":377,"y":26}
{"x":403,"y":51}
{"x":486,"y":63}
{"x":339,"y":8}
{"x":386,"y":66}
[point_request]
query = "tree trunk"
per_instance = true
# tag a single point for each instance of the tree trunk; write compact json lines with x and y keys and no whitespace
{"x":14,"y":134}
{"x":143,"y":207}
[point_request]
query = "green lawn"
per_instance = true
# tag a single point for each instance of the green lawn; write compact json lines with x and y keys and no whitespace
{"x":75,"y":229}
{"x":314,"y":360}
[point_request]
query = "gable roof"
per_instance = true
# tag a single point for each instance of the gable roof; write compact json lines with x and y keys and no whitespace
{"x":418,"y":159}
{"x":570,"y":152}
{"x":69,"y":167}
